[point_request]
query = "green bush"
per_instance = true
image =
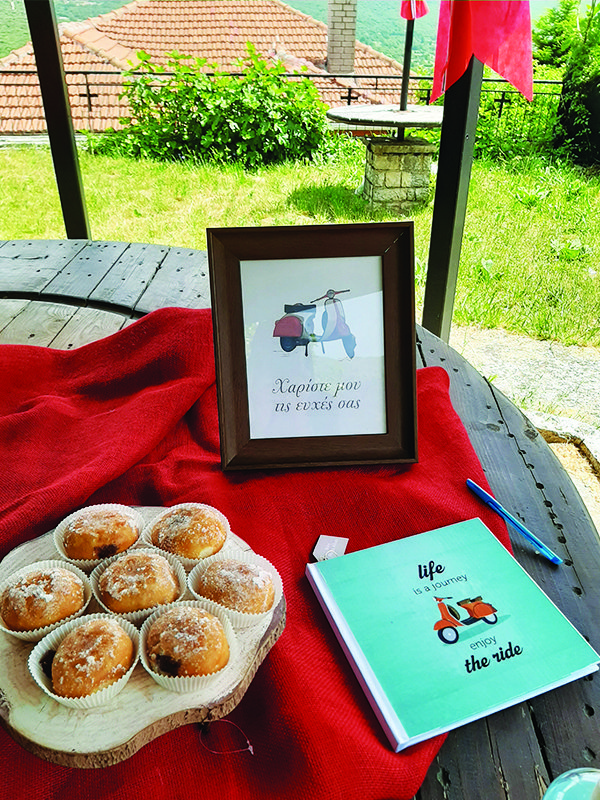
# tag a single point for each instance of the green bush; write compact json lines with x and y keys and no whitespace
{"x":577,"y":131}
{"x":181,"y":111}
{"x":523,"y":128}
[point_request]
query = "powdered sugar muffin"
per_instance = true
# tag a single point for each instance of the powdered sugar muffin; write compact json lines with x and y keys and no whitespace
{"x":137,"y":580}
{"x":186,"y":641}
{"x":91,"y":657}
{"x":192,"y":531}
{"x":98,"y":532}
{"x":41,"y":597}
{"x":240,"y":586}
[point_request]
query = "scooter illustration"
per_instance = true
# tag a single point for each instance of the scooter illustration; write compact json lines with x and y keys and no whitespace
{"x":477,"y":610}
{"x":297,"y":326}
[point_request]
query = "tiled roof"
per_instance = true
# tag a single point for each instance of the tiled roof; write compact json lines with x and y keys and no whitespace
{"x":93,"y":106}
{"x":217,"y":30}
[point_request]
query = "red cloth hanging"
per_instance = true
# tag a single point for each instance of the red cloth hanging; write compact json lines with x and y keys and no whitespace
{"x":132,"y":418}
{"x":496,"y":32}
{"x":413,"y":9}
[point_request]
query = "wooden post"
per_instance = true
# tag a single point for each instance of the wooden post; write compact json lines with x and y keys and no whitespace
{"x":48,"y":59}
{"x":461,"y":108}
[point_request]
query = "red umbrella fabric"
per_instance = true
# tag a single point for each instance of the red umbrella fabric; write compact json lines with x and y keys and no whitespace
{"x":413,"y":9}
{"x":497,"y":32}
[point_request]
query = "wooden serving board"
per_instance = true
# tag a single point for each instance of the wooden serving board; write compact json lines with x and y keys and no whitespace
{"x":140,"y":713}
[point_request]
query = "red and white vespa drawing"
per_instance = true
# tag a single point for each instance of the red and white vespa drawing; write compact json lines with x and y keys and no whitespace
{"x":296,"y":327}
{"x":477,"y":611}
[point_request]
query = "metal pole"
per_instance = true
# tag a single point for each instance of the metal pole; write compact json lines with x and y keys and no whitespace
{"x":408,"y":41}
{"x":48,"y":59}
{"x":461,"y":108}
{"x":410,"y":27}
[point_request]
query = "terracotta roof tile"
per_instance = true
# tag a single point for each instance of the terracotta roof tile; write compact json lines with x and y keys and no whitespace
{"x":217,"y":30}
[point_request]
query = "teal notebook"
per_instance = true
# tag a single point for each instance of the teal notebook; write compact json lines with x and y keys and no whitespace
{"x":445,"y":627}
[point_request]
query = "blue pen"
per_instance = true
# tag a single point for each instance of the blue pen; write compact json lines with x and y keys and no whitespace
{"x":495,"y":506}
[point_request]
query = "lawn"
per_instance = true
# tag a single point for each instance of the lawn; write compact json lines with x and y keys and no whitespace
{"x":530,"y":260}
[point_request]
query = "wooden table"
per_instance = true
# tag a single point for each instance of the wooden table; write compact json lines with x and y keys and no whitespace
{"x":64,"y":294}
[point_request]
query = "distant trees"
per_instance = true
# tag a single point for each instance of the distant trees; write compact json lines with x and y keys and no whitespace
{"x":563,"y":38}
{"x":553,"y":34}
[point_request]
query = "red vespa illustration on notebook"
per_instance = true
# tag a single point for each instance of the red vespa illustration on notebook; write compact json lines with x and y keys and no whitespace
{"x":297,"y":326}
{"x":477,"y":611}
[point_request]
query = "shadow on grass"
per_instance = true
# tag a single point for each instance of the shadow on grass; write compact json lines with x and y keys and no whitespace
{"x":333,"y":203}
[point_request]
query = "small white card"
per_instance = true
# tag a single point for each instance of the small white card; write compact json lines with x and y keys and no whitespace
{"x":329,"y":547}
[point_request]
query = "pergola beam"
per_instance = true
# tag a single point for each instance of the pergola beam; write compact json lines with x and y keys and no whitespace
{"x":49,"y":63}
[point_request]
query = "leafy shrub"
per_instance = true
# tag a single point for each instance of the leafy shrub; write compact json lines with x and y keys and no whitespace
{"x":577,"y":131}
{"x":180,"y":110}
{"x":516,"y":129}
{"x":578,"y":124}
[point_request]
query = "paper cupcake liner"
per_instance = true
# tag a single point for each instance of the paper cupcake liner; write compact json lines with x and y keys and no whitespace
{"x":188,"y":563}
{"x":194,"y":683}
{"x":89,"y":565}
{"x":137,"y":617}
{"x":39,"y":633}
{"x":53,"y":640}
{"x":239,"y":619}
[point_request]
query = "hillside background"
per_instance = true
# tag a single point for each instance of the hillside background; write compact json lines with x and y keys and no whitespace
{"x":378,"y":24}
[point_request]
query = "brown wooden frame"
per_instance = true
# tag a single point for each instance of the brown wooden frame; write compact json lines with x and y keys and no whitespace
{"x":393,"y":242}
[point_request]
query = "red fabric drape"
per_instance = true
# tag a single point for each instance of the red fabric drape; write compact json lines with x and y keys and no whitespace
{"x":413,"y":9}
{"x":496,"y":32}
{"x":133,"y":419}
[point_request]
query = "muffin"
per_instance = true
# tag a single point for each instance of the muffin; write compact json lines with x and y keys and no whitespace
{"x":99,"y":532}
{"x":186,"y":641}
{"x":137,"y":580}
{"x":93,"y":656}
{"x":194,"y":531}
{"x":244,"y":587}
{"x":41,"y":597}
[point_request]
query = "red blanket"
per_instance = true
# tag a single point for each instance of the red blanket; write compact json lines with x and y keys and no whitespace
{"x":133,"y":419}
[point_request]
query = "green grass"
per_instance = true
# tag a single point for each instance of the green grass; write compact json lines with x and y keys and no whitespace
{"x":530,"y":260}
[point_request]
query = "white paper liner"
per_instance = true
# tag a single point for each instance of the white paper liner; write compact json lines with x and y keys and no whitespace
{"x":89,"y":565}
{"x":239,"y":619}
{"x":53,"y":640}
{"x":137,"y":617}
{"x":218,"y":679}
{"x":39,"y":633}
{"x":188,"y":563}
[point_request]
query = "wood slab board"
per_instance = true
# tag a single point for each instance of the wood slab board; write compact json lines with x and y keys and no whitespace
{"x":88,"y":325}
{"x":181,"y":281}
{"x":140,"y":713}
{"x":27,"y":267}
{"x":37,"y":323}
{"x":84,"y":272}
{"x":130,"y":275}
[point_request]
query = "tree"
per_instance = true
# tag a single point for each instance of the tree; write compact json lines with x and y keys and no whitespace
{"x":577,"y":130}
{"x":553,"y":34}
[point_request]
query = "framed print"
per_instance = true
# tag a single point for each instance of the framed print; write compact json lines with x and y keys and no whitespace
{"x":314,"y":344}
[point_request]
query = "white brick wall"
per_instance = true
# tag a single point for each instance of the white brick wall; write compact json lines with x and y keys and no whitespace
{"x":341,"y":35}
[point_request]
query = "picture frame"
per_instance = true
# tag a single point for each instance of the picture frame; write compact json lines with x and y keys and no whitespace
{"x":314,"y":334}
